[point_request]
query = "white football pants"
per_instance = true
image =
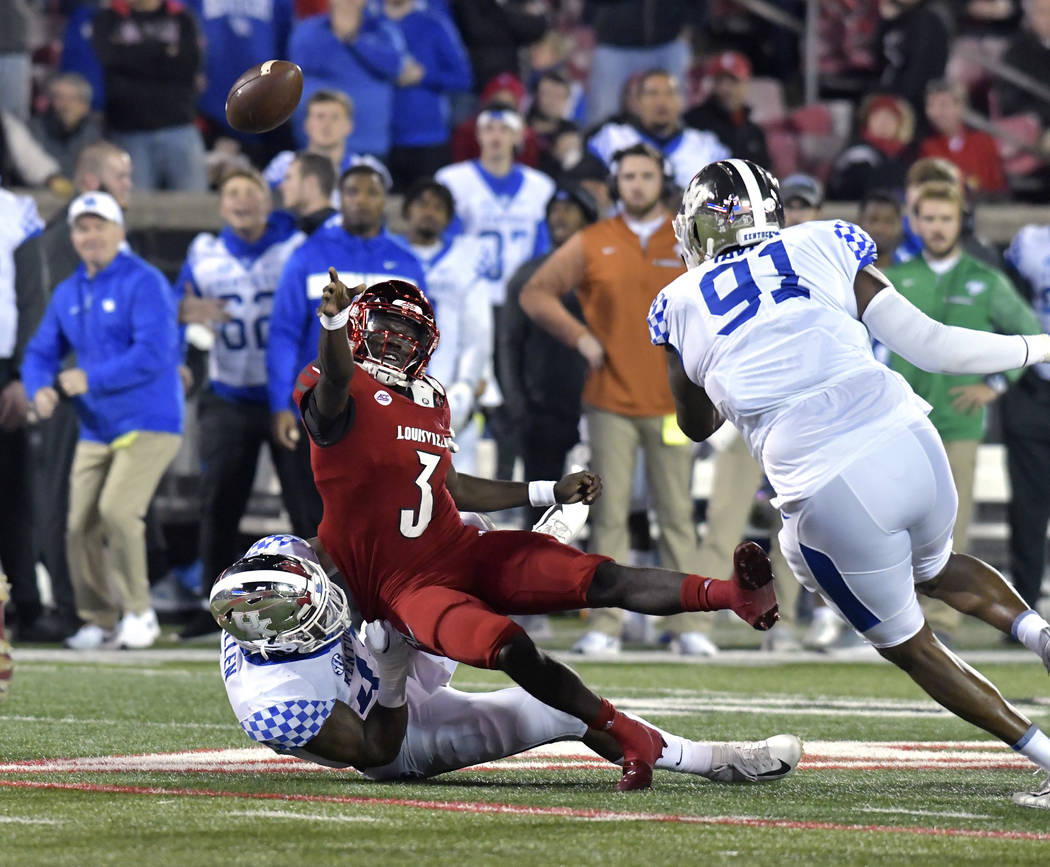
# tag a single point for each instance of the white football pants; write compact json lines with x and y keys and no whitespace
{"x":881,"y":526}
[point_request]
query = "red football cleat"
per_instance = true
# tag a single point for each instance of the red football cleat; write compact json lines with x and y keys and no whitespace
{"x":639,"y":756}
{"x":753,"y":574}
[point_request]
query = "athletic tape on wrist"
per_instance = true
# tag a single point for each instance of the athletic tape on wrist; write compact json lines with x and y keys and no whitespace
{"x":392,"y":694}
{"x":541,"y":494}
{"x":334,"y":323}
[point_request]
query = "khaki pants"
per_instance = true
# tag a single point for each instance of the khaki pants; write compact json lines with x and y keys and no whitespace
{"x":736,"y":478}
{"x":110,"y":491}
{"x":614,"y":441}
{"x":962,"y":458}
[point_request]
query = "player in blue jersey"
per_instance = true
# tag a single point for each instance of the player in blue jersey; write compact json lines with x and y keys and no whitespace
{"x":771,"y":328}
{"x":362,"y":251}
{"x":302,"y":682}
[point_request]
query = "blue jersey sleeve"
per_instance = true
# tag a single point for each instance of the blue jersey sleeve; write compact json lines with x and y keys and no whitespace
{"x":288,"y":724}
{"x":288,"y":323}
{"x":45,"y":350}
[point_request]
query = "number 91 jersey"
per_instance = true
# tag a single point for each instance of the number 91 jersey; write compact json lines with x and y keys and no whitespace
{"x":762,"y":329}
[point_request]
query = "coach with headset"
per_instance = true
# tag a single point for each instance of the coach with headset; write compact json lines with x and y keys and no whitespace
{"x":617,"y":267}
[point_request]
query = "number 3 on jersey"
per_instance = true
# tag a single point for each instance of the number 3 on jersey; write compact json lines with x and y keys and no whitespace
{"x":747,"y":289}
{"x":413,"y":523}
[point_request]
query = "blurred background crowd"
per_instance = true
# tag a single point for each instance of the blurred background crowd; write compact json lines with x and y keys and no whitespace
{"x":158,"y":269}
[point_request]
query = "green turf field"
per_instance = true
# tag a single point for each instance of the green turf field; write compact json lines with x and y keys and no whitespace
{"x":866,"y":792}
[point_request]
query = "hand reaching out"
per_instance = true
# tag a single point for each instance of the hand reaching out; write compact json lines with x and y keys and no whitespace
{"x":582,"y":487}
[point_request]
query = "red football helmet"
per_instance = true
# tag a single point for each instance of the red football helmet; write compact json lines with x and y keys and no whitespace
{"x":393,"y":331}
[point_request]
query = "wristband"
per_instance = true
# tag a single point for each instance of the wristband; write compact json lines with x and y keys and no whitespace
{"x":334,"y":323}
{"x":541,"y":494}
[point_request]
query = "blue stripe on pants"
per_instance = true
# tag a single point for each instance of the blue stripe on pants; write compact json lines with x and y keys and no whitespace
{"x":830,"y":580}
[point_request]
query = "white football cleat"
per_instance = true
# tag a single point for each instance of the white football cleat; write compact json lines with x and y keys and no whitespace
{"x":596,"y":642}
{"x":693,"y":644}
{"x":563,"y":521}
{"x":757,"y":762}
{"x":137,"y":631}
{"x":1039,"y":799}
{"x":89,"y":637}
{"x":824,"y":631}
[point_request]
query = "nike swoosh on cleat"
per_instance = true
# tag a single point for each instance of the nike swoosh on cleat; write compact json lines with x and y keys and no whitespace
{"x":779,"y":772}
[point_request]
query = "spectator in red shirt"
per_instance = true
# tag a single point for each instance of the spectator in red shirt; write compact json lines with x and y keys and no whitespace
{"x":503,"y":88}
{"x":973,"y":151}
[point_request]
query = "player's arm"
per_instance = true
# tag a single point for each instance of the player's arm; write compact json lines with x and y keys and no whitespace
{"x":933,"y":346}
{"x":334,"y":351}
{"x":472,"y":494}
{"x":697,"y":416}
{"x":363,"y":743}
{"x":541,"y":297}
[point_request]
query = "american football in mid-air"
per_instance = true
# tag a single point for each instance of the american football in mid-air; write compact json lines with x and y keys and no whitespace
{"x":265,"y":96}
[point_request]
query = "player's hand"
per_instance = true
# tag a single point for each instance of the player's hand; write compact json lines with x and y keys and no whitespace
{"x":336,"y":296}
{"x":393,"y":655}
{"x":45,"y":401}
{"x":411,"y":73}
{"x":203,"y":311}
{"x":14,"y":405}
{"x":970,"y":398}
{"x":186,"y":378}
{"x":73,"y":382}
{"x":591,"y":349}
{"x":581,"y":487}
{"x":286,"y":429}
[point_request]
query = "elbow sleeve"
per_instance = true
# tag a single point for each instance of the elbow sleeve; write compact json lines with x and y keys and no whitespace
{"x":938,"y":348}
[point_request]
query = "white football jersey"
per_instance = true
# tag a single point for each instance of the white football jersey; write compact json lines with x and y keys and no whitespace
{"x":282,"y":702}
{"x":505,"y":214}
{"x":464,"y":312}
{"x":238,"y":357}
{"x":19,"y":220}
{"x":687,"y":152}
{"x":771,"y":333}
{"x":1029,"y":253}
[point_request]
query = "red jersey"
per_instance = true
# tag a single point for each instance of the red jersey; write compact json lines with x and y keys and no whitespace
{"x":387,"y":512}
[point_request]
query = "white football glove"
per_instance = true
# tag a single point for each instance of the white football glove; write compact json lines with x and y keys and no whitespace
{"x":460,"y":397}
{"x":393,"y":657}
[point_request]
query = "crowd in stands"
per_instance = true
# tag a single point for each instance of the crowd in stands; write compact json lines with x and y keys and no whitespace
{"x":537,"y":146}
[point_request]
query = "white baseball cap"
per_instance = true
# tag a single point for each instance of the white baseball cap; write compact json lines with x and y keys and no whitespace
{"x":100,"y":204}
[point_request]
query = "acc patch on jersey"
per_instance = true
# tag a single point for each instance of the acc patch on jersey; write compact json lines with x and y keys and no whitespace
{"x":383,"y":398}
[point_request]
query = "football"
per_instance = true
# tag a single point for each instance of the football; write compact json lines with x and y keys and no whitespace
{"x":265,"y":96}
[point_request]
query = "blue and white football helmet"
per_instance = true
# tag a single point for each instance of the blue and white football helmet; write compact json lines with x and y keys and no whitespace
{"x":278,"y":599}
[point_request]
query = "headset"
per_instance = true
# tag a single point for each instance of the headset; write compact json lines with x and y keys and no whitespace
{"x":643,"y":149}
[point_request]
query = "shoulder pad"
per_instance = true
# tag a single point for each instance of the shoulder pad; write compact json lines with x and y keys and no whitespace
{"x":427,"y":391}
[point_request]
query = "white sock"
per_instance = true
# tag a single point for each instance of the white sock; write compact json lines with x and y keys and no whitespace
{"x":1026,"y":628}
{"x":684,"y":756}
{"x":1036,"y":746}
{"x":680,"y":754}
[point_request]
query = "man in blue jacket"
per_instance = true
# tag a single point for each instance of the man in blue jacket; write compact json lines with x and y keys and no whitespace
{"x":116,"y":312}
{"x":361,"y":54}
{"x":362,"y":251}
{"x":421,"y":122}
